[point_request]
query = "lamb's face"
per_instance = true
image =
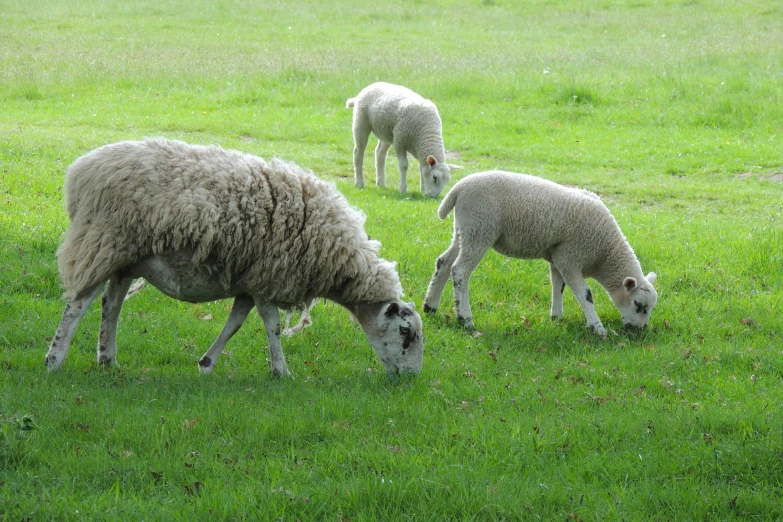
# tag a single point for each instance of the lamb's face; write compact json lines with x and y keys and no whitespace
{"x":637,"y":300}
{"x":397,"y":337}
{"x":435,"y":175}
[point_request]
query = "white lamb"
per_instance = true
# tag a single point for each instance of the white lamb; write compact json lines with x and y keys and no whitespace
{"x":201,"y":223}
{"x":532,"y":218}
{"x":400,"y":117}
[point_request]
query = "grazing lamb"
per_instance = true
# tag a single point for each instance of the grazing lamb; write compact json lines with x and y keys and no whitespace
{"x":201,"y":223}
{"x":532,"y":218}
{"x":399,"y":117}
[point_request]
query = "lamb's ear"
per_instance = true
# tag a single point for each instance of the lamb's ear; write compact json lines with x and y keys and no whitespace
{"x":392,"y":310}
{"x":431,"y":161}
{"x":629,"y":283}
{"x":454,"y":167}
{"x":412,"y":304}
{"x":651,"y":277}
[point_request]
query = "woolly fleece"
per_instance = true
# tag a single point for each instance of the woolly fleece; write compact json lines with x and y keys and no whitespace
{"x":269,"y":226}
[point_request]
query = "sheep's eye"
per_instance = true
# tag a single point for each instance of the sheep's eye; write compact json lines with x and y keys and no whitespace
{"x":405,"y":332}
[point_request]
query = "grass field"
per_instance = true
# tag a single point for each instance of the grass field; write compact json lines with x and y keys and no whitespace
{"x":671,"y":110}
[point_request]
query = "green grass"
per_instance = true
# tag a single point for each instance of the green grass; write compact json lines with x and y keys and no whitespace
{"x":671,"y":110}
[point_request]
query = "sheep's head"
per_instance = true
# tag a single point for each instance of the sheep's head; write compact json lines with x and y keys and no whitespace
{"x":435,"y":175}
{"x":636,"y":299}
{"x":395,"y":332}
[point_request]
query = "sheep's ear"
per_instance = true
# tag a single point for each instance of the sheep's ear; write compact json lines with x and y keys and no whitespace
{"x":629,"y":283}
{"x":651,"y":277}
{"x":412,"y":304}
{"x":392,"y":310}
{"x":431,"y":161}
{"x":454,"y":167}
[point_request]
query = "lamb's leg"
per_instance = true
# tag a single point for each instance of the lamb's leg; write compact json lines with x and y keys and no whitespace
{"x":361,"y":133}
{"x":576,"y":282}
{"x":111,"y":304}
{"x":558,"y":286}
{"x":271,"y":317}
{"x":402,"y":160}
{"x":239,"y":310}
{"x":441,"y":276}
{"x":74,"y":312}
{"x":304,"y":320}
{"x":381,"y":150}
{"x":468,"y":259}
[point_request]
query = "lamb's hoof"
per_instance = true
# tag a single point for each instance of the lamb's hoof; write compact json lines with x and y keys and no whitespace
{"x":205,"y":365}
{"x":429,"y":310}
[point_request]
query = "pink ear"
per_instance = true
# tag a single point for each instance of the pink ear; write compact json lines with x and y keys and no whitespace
{"x":629,"y":283}
{"x":431,"y":160}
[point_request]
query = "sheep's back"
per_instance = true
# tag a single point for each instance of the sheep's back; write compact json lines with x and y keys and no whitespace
{"x":269,"y":223}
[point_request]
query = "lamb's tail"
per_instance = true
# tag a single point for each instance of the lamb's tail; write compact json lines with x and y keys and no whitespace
{"x":350,"y":102}
{"x":449,"y":201}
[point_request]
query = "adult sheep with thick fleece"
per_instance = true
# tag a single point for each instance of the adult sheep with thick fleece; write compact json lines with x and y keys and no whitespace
{"x":400,"y":117}
{"x":201,"y":223}
{"x":528,"y":217}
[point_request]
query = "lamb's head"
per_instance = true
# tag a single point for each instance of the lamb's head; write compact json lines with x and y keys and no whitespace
{"x":636,"y":299}
{"x":395,"y":331}
{"x":435,"y":175}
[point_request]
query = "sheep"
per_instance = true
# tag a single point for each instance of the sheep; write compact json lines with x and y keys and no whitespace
{"x":528,"y":217}
{"x":400,"y":117}
{"x":201,"y":223}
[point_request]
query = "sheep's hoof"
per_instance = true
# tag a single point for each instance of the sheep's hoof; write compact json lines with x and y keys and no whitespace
{"x":52,"y":364}
{"x":107,"y":361}
{"x":205,"y":365}
{"x":466,"y":323}
{"x":429,"y":310}
{"x":278,"y":374}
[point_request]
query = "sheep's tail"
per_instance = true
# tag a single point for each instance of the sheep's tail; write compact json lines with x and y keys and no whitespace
{"x":350,"y":102}
{"x":449,"y":201}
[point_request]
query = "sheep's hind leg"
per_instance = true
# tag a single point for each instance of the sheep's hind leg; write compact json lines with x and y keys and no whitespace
{"x":381,"y":150}
{"x":441,"y":276}
{"x":111,"y":305}
{"x":239,"y":311}
{"x":360,"y":136}
{"x":466,"y":262}
{"x":576,"y":282}
{"x":271,"y":317}
{"x":74,"y":312}
{"x":558,"y":286}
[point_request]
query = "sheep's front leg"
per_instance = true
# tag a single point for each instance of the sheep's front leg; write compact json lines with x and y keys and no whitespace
{"x":402,"y":160}
{"x":239,"y":311}
{"x":558,"y":286}
{"x":576,"y":282}
{"x":271,"y":317}
{"x":381,"y":150}
{"x":74,"y":312}
{"x":111,"y":305}
{"x":466,"y":262}
{"x":441,"y":276}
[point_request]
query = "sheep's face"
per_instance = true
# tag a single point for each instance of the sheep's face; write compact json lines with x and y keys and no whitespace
{"x":636,"y":300}
{"x":397,"y":337}
{"x":435,"y":175}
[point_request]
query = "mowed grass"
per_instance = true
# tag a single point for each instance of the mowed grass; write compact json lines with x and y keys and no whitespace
{"x":672,"y":111}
